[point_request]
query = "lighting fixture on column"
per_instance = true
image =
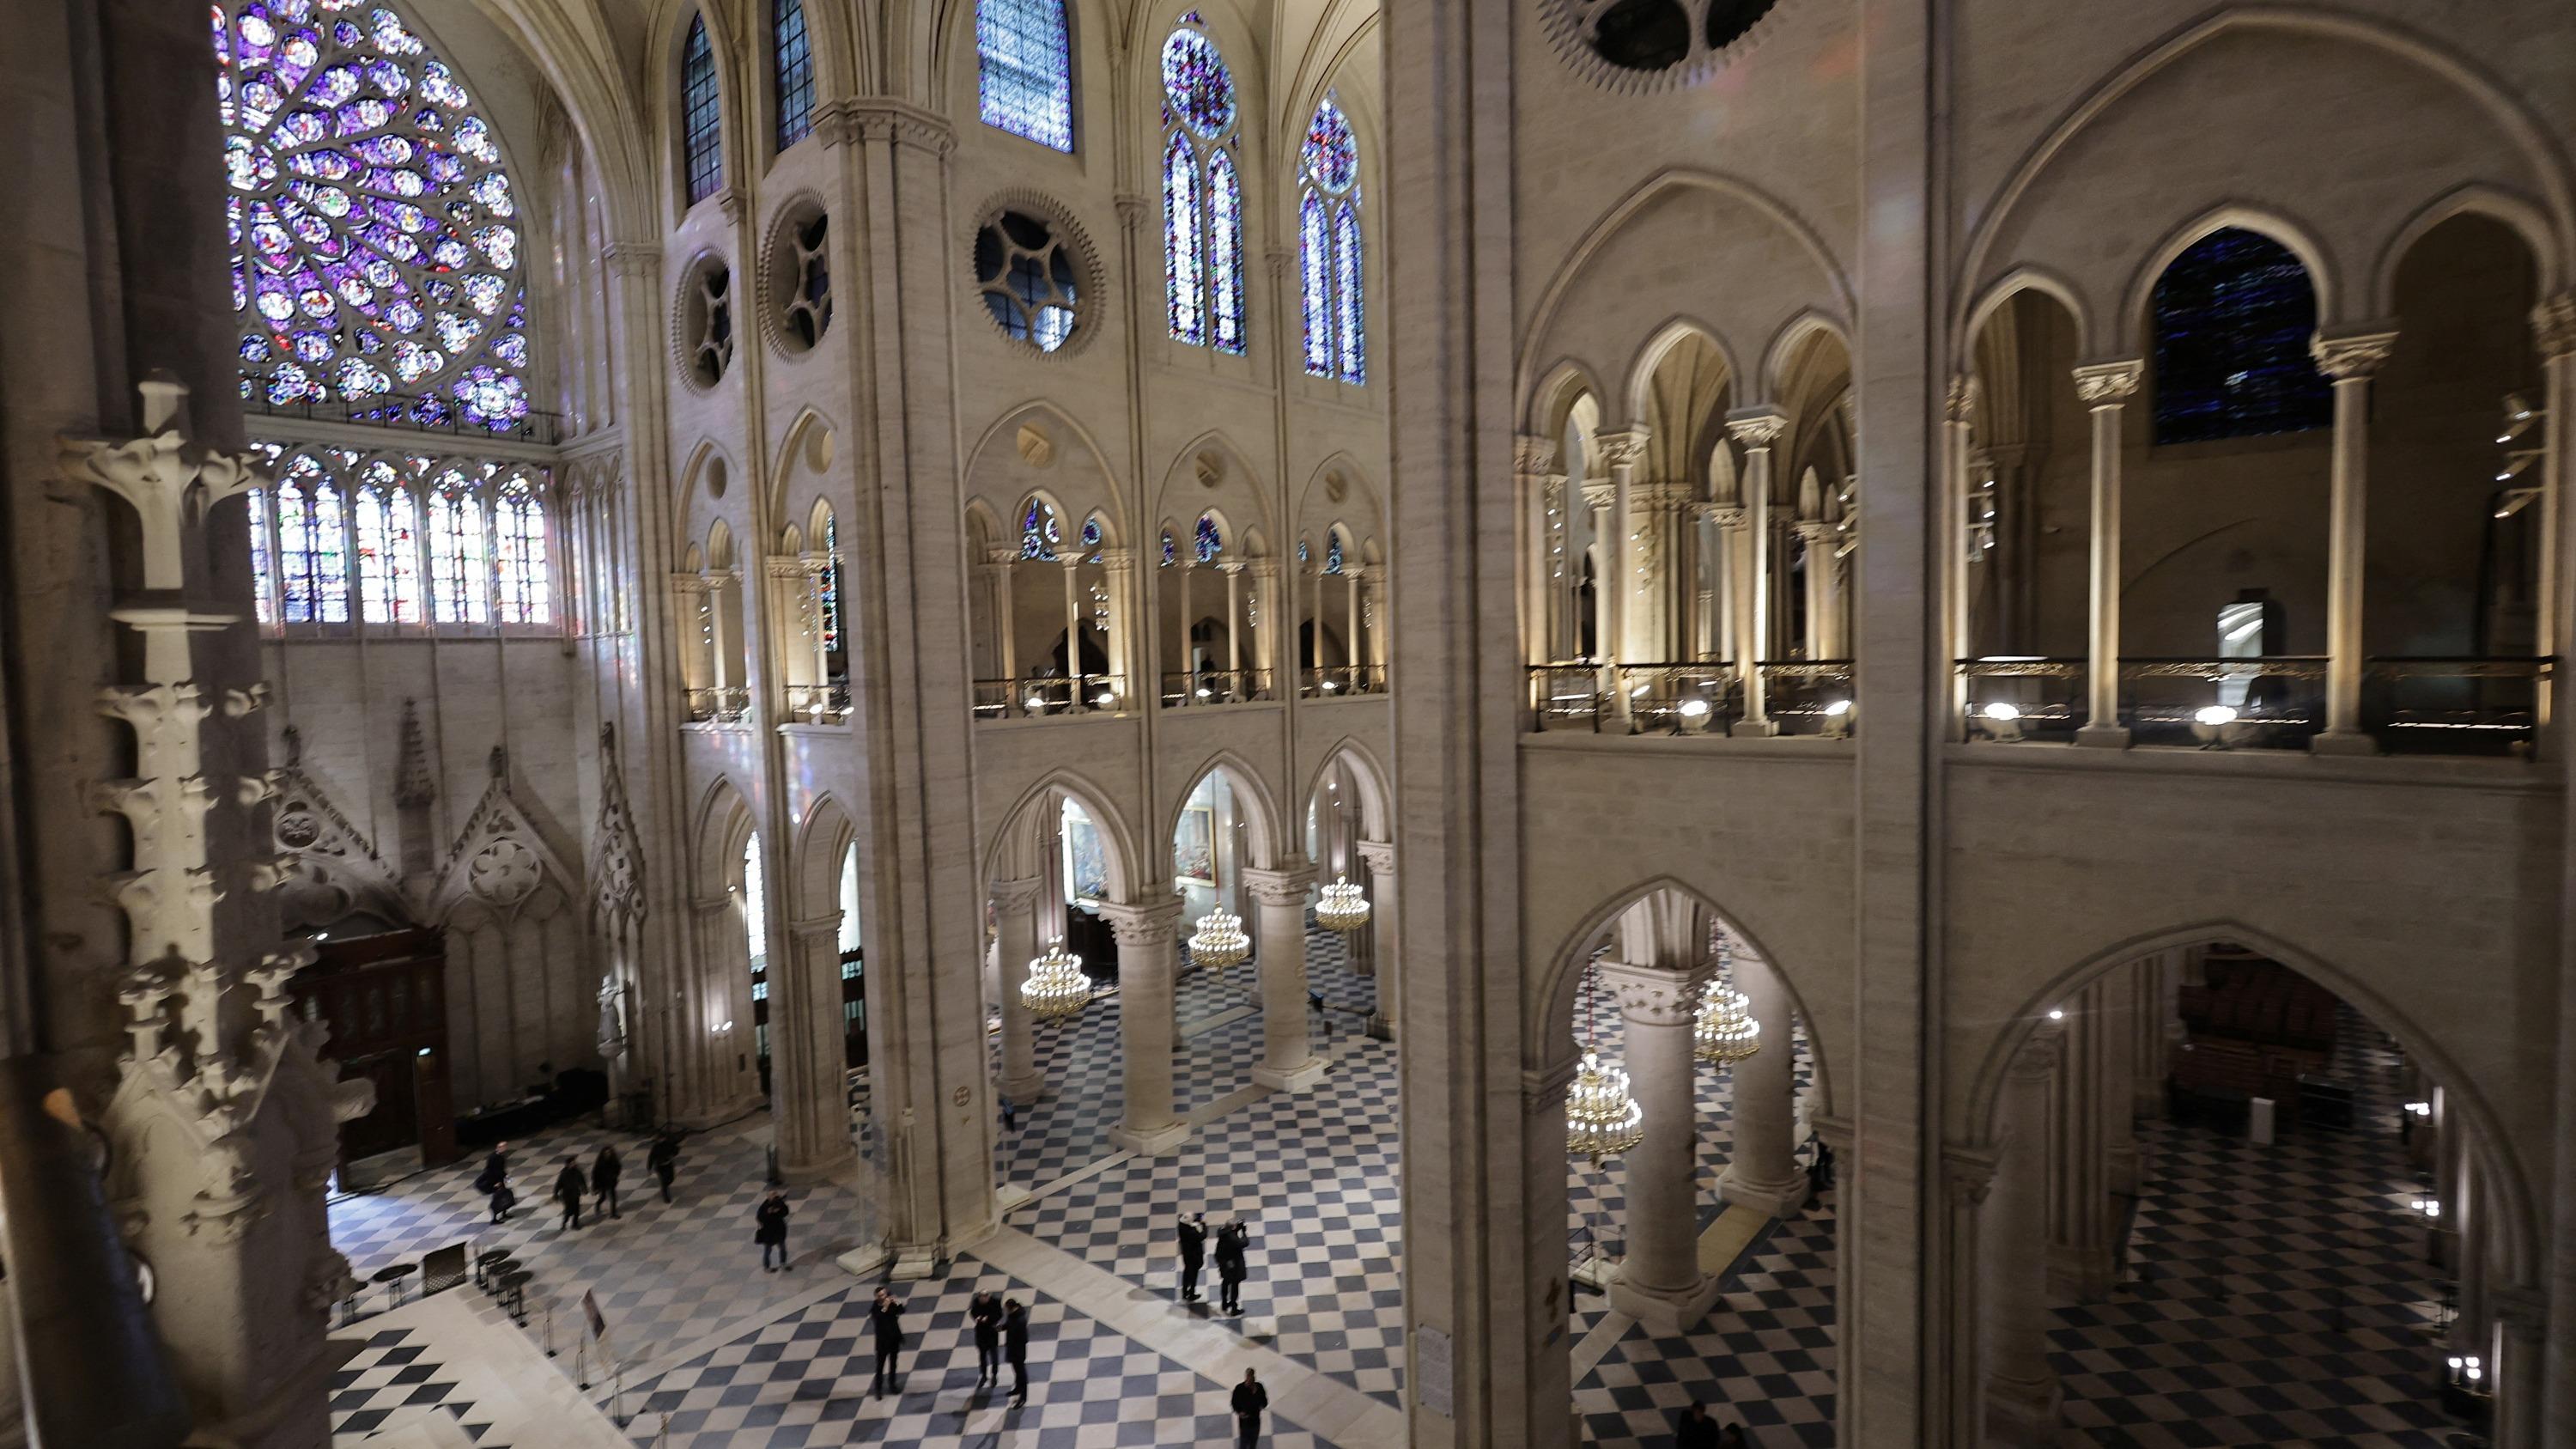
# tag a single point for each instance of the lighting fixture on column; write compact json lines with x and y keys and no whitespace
{"x":1999,"y":722}
{"x":1601,"y":1119}
{"x":2213,"y":725}
{"x":1838,"y":720}
{"x":1724,"y":1031}
{"x":1219,"y":941}
{"x":1342,"y":907}
{"x":1056,"y":988}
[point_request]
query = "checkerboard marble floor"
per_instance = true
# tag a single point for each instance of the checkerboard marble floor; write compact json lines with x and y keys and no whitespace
{"x":397,"y":1369}
{"x":2279,"y":1295}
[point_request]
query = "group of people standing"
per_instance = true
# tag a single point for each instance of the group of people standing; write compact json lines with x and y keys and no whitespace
{"x":1001,"y":1327}
{"x":573,"y":1186}
{"x":1233,"y":1263}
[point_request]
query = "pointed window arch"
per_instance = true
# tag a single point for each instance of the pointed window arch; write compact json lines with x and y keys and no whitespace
{"x":1202,"y":194}
{"x":1210,"y":539}
{"x":792,"y":57}
{"x":459,"y":579}
{"x":1328,"y":246}
{"x":1024,"y":70}
{"x":701,"y":114}
{"x":1039,"y":532}
{"x":2233,"y":317}
{"x":519,"y":534}
{"x":374,"y":231}
{"x":388,"y":547}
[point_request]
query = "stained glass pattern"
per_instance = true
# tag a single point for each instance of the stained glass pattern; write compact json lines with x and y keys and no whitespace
{"x":1328,"y":247}
{"x":701,"y":114}
{"x":373,"y":228}
{"x":1171,"y":551}
{"x":459,"y":585}
{"x":831,"y":583}
{"x":793,"y":56}
{"x":2233,"y":316}
{"x":1024,"y":70}
{"x":1211,"y":540}
{"x":519,"y":531}
{"x":1202,"y":195}
{"x":263,"y":578}
{"x":1333,"y":552}
{"x":1038,"y":535}
{"x":388,"y":547}
{"x":1028,"y":280}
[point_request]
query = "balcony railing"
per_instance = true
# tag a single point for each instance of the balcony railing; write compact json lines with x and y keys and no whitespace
{"x":1341,"y":681}
{"x":827,"y":704}
{"x":1808,"y":696}
{"x":1183,"y":688}
{"x":1693,"y":698}
{"x":2272,"y":702}
{"x":1050,"y":695}
{"x":2453,"y":704}
{"x":412,"y":412}
{"x":2020,"y":697}
{"x":719,"y":706}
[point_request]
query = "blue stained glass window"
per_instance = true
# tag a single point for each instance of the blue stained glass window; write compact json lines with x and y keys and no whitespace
{"x":1171,"y":553}
{"x":1210,"y":541}
{"x":263,"y":580}
{"x":831,"y":583}
{"x":794,"y":55}
{"x":1024,"y":69}
{"x":1091,"y":533}
{"x":1301,"y":551}
{"x":701,"y":114}
{"x":1333,"y":552}
{"x":1202,"y":195}
{"x":519,"y":530}
{"x":1328,"y":245}
{"x":1038,"y":535}
{"x":373,"y":229}
{"x":2234,"y":315}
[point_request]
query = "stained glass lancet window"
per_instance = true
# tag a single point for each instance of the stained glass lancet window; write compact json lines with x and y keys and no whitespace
{"x":263,"y":578}
{"x":374,"y":231}
{"x":701,"y":114}
{"x":519,"y":536}
{"x":1024,"y":69}
{"x":793,"y":55}
{"x":1202,"y":196}
{"x":1328,"y":247}
{"x":2233,"y":317}
{"x":1211,"y":539}
{"x":1038,"y":532}
{"x":459,"y":582}
{"x":388,"y":547}
{"x":830,"y":583}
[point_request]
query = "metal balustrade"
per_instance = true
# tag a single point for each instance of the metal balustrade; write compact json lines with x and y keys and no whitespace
{"x":2454,"y":704}
{"x":710,"y":705}
{"x":2272,"y":702}
{"x":1342,"y":681}
{"x":2020,"y":697}
{"x":818,"y":703}
{"x":1185,"y":688}
{"x":1808,"y":696}
{"x":1699,"y":697}
{"x":1049,"y":695}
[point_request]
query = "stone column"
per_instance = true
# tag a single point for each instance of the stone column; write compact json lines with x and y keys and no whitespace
{"x":2349,"y":359}
{"x":1758,"y":429}
{"x":1660,"y":1283}
{"x":1148,"y":935}
{"x":1118,"y":576}
{"x":1958,"y":429}
{"x":2554,"y":325}
{"x":1816,"y":543}
{"x":1532,"y":456}
{"x":1734,"y":601}
{"x":2116,"y":1071}
{"x":2103,"y":386}
{"x":1379,"y":856}
{"x":1072,"y":565}
{"x":1615,"y":591}
{"x":1968,"y":1176}
{"x":1005,"y":620}
{"x":1762,"y":1171}
{"x":808,"y":1079}
{"x":1015,"y":919}
{"x":1288,"y":1061}
{"x":1233,"y":571}
{"x":2079,"y":1193}
{"x":2022,"y":1392}
{"x":2522,"y":1320}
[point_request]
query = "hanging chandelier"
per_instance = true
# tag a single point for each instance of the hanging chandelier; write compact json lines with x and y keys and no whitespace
{"x":1342,"y":908}
{"x":1725,"y":1032}
{"x":1219,"y":941}
{"x":1601,"y":1119}
{"x":1056,"y":988}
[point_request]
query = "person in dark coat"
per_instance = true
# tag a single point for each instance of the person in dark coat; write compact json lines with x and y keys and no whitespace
{"x":1193,"y":1254}
{"x":1015,"y":1347}
{"x":1734,"y":1437}
{"x":570,"y":1188}
{"x":495,"y":1182}
{"x":1010,"y":1115}
{"x":771,"y":1232}
{"x":1696,"y":1430}
{"x":985,"y":1312}
{"x":604,"y":1172}
{"x":1231,"y":1266}
{"x":886,"y":1317}
{"x":1250,"y":1398}
{"x":664,"y":1158}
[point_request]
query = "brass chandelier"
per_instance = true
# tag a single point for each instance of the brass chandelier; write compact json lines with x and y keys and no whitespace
{"x":1056,"y":989}
{"x":1342,"y":907}
{"x":1219,"y":941}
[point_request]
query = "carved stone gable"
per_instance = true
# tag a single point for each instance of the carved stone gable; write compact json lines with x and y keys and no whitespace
{"x":500,"y":864}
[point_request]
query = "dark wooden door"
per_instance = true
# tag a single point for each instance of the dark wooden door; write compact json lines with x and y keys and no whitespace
{"x":385,"y":999}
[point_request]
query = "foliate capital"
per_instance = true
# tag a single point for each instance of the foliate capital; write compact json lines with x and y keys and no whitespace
{"x":1622,"y":450}
{"x":1758,"y":426}
{"x":2553,"y":325}
{"x":1280,"y":887}
{"x":2104,"y":383}
{"x":2346,"y":356}
{"x":1962,"y":403}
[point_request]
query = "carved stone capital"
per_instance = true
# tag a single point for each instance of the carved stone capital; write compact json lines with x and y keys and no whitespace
{"x":1116,"y":559}
{"x":1532,"y":453}
{"x":1961,"y":405}
{"x":837,"y":123}
{"x":1144,"y":925}
{"x":633,"y":259}
{"x":1967,"y":1174}
{"x":1622,"y":450}
{"x":1600,"y":495}
{"x":164,"y":478}
{"x":1379,"y":857}
{"x":2102,"y":384}
{"x":2553,"y":325}
{"x":1653,"y":995}
{"x":1014,"y":895}
{"x":903,"y":125}
{"x":1758,"y":426}
{"x":2353,"y":355}
{"x":1280,"y":887}
{"x":2038,"y":1058}
{"x":1133,"y":207}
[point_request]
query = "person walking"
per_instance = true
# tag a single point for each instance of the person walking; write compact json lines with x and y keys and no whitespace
{"x":664,"y":1159}
{"x":886,"y":1317}
{"x":985,"y":1312}
{"x":495,"y":1182}
{"x":1230,"y":1267}
{"x":570,"y":1188}
{"x":1193,"y":1254}
{"x":771,"y":1232}
{"x":1015,"y":1347}
{"x":604,"y":1172}
{"x":1696,"y":1430}
{"x":1250,"y":1398}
